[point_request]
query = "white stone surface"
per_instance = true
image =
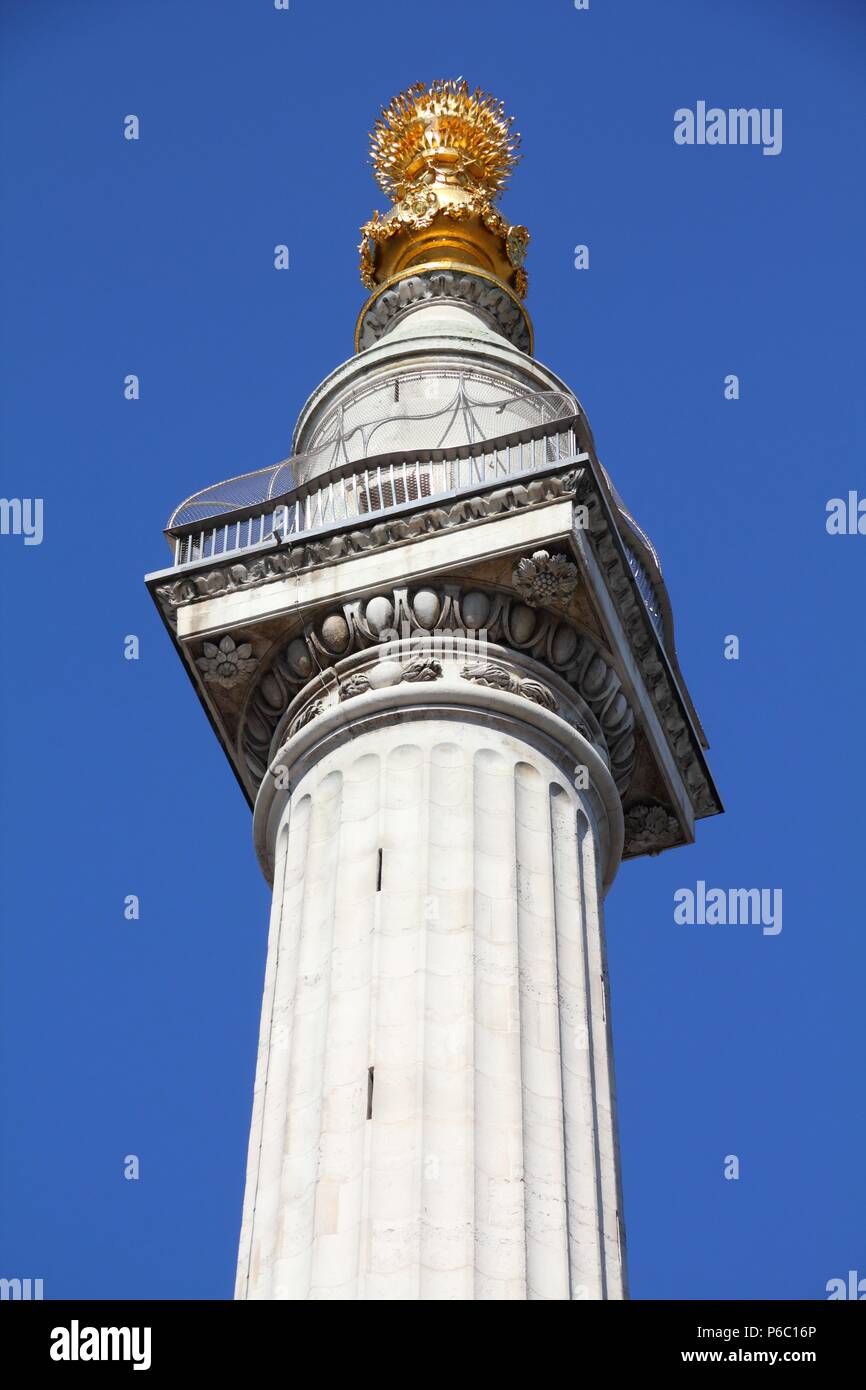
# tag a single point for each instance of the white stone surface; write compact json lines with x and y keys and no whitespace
{"x":472,"y":981}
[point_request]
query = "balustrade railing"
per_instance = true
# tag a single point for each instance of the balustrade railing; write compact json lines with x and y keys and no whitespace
{"x":360,"y":490}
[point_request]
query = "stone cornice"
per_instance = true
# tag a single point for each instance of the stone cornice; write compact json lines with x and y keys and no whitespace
{"x":647,"y":648}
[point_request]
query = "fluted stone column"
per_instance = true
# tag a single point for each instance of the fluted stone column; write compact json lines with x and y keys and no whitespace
{"x":433,"y":1114}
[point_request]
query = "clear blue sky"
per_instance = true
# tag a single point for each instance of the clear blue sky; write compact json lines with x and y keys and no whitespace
{"x":156,"y":258}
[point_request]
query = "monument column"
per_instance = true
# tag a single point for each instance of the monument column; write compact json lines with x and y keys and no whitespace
{"x":439,"y":655}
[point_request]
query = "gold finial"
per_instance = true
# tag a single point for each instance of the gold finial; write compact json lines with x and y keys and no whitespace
{"x":442,"y":133}
{"x":443,"y":154}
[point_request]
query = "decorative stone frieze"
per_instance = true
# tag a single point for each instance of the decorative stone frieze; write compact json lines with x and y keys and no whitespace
{"x":492,"y":301}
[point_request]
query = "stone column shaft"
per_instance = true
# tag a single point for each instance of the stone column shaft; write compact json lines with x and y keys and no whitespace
{"x":434,"y":1114}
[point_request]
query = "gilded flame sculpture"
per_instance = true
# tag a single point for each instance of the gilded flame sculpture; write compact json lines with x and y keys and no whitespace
{"x":443,"y":155}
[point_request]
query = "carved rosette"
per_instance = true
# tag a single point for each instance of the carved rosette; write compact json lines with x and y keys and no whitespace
{"x":544,"y":578}
{"x":225,"y":662}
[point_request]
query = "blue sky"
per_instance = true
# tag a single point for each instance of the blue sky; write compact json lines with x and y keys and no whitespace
{"x":156,"y":258}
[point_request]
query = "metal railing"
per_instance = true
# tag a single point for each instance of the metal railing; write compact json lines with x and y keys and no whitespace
{"x":358,"y":491}
{"x":350,"y":434}
{"x":646,"y":589}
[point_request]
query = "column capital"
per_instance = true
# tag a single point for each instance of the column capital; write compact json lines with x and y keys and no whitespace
{"x":448,"y":677}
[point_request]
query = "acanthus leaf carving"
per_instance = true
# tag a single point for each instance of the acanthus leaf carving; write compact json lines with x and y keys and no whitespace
{"x":489,"y":674}
{"x":650,"y":828}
